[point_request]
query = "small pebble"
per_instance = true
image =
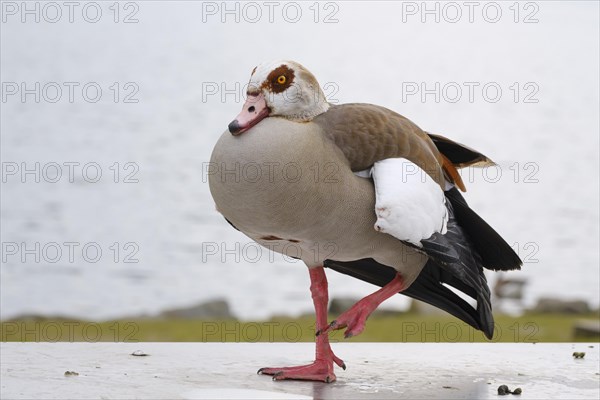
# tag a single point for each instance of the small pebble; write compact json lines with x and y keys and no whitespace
{"x":71,"y":373}
{"x":503,"y":390}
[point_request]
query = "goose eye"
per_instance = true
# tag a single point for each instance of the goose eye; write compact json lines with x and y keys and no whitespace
{"x":281,"y":79}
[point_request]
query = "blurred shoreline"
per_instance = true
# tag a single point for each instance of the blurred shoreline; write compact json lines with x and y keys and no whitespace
{"x":551,"y":320}
{"x":381,"y":327}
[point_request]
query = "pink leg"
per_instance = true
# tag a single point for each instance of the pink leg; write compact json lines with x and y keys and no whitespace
{"x":322,"y":368}
{"x":355,"y":318}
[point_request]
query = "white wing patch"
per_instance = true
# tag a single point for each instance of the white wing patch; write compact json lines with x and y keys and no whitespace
{"x":409,"y":204}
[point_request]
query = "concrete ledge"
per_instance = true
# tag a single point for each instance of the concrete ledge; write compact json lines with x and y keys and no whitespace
{"x":228,"y":370}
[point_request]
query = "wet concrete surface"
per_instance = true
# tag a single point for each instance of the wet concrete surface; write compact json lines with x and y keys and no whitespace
{"x":228,"y":370}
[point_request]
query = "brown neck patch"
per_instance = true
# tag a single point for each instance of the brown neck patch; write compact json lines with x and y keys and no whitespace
{"x":272,"y":80}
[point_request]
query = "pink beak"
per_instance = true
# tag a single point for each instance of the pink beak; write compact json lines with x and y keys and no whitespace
{"x":254,"y":110}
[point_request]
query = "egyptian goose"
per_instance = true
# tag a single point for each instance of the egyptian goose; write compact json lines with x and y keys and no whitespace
{"x":330,"y":186}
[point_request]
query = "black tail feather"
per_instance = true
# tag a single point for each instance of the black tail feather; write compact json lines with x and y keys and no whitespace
{"x":495,"y":253}
{"x":459,"y":154}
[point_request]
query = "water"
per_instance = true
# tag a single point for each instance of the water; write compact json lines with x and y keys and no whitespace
{"x":545,"y":200}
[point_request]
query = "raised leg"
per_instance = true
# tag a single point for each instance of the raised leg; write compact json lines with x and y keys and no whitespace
{"x":322,"y":368}
{"x":355,"y":318}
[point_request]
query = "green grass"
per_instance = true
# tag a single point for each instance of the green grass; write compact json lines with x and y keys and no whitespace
{"x":398,"y":327}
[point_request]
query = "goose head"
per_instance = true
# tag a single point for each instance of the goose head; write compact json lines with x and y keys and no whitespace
{"x":280,"y":89}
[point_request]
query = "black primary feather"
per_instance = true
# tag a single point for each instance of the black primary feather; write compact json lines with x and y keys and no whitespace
{"x":495,"y":253}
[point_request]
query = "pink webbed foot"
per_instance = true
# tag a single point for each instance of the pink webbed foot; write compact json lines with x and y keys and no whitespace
{"x":354,"y":319}
{"x":319,"y":370}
